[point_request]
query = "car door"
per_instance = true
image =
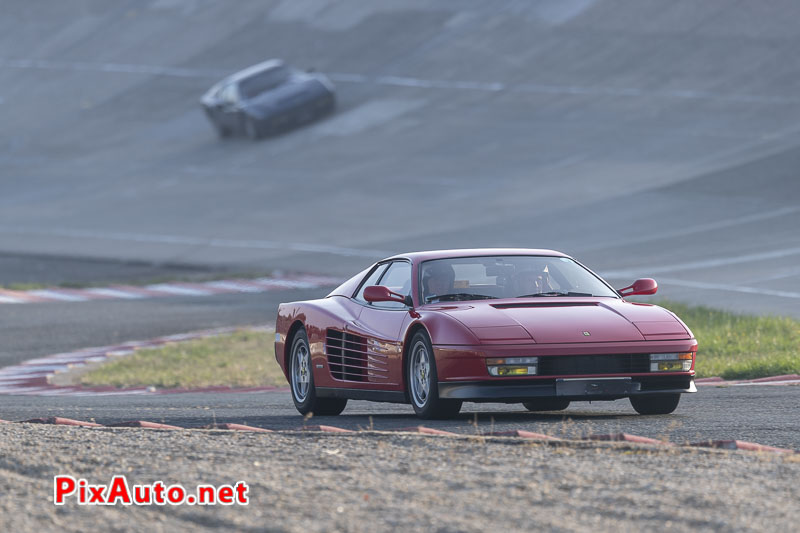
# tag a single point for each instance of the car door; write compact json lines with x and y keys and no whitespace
{"x":380,"y":324}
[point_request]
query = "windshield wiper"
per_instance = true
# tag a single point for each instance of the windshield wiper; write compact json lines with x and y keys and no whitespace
{"x":554,"y":293}
{"x":458,"y":296}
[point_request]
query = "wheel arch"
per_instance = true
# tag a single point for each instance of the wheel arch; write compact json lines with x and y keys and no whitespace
{"x":412,"y":330}
{"x":296,"y":326}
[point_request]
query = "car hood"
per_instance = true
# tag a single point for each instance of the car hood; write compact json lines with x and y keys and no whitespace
{"x":566,"y":320}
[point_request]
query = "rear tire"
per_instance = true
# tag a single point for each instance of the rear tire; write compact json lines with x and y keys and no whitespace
{"x":422,"y":382}
{"x":301,"y":380}
{"x":655,"y":404}
{"x":546,"y":404}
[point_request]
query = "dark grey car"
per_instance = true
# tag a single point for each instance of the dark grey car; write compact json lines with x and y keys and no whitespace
{"x":266,"y":99}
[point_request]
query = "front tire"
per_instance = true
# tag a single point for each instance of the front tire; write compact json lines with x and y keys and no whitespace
{"x":252,"y":129}
{"x":546,"y":404}
{"x":422,"y":382}
{"x":222,"y":132}
{"x":301,"y":380}
{"x":655,"y":404}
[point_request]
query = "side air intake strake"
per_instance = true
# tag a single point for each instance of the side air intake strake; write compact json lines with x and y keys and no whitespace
{"x":351,"y":358}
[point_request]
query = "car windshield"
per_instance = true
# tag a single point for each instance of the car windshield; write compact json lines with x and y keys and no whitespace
{"x":479,"y":278}
{"x":263,"y":81}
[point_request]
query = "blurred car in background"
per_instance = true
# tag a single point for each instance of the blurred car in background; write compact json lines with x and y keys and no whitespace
{"x":266,"y":99}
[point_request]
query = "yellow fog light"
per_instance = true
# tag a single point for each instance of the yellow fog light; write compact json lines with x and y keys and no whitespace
{"x":512,"y":371}
{"x":512,"y":366}
{"x":671,"y":362}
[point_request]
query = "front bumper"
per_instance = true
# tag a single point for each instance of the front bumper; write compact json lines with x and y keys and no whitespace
{"x":573,"y":389}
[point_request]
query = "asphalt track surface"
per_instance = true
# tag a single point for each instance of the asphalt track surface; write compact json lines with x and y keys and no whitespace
{"x":766,"y":415}
{"x":646,"y":139}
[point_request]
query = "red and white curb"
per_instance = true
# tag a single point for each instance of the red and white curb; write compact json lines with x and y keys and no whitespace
{"x":161,"y":290}
{"x":33,"y":377}
{"x":619,"y":438}
{"x":785,"y":379}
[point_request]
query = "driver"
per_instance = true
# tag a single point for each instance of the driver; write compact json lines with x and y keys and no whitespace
{"x":438,"y":280}
{"x":533,"y":282}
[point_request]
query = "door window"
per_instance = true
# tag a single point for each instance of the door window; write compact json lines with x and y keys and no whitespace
{"x":371,"y":280}
{"x":398,"y":279}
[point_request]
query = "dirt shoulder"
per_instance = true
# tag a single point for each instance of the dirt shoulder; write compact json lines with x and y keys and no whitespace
{"x":371,"y":482}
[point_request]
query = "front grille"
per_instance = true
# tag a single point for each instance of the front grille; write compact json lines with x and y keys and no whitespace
{"x":573,"y":365}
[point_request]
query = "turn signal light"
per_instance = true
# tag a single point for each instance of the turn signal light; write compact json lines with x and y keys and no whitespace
{"x":671,"y":362}
{"x":513,"y":366}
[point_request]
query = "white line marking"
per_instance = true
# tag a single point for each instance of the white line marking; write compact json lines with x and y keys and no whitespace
{"x":30,"y":369}
{"x":54,"y":295}
{"x":405,"y":81}
{"x":726,"y":287}
{"x":174,"y":289}
{"x":194,"y":241}
{"x":126,"y":68}
{"x":776,"y":277}
{"x":708,"y":263}
{"x":236,"y":287}
{"x":730,"y":222}
{"x":288,"y":283}
{"x":115,"y":293}
{"x":178,"y":289}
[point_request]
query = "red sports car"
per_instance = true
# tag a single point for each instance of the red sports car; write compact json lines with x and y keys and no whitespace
{"x":435,"y":329}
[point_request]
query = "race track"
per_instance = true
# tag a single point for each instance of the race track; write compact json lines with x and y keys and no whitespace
{"x":762,"y":414}
{"x":644,"y":138}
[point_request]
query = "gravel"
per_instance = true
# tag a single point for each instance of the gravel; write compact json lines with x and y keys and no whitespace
{"x":310,"y":482}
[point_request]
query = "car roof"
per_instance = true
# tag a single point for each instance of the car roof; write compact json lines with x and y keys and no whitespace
{"x":255,"y":69}
{"x":474,"y":252}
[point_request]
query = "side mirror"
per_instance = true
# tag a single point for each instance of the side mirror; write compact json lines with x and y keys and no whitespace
{"x":379,"y":293}
{"x":640,"y":286}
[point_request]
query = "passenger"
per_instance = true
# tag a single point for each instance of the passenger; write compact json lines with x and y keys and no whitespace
{"x":533,"y":282}
{"x":437,"y":280}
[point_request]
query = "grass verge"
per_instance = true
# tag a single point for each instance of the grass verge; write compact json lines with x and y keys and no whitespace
{"x":241,"y":359}
{"x":732,"y":346}
{"x":737,"y":346}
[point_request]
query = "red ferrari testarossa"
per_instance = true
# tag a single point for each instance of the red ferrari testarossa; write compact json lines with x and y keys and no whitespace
{"x":435,"y":329}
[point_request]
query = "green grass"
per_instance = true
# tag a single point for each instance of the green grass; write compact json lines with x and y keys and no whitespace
{"x":241,"y":359}
{"x":730,"y":345}
{"x":736,"y":346}
{"x":32,"y":286}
